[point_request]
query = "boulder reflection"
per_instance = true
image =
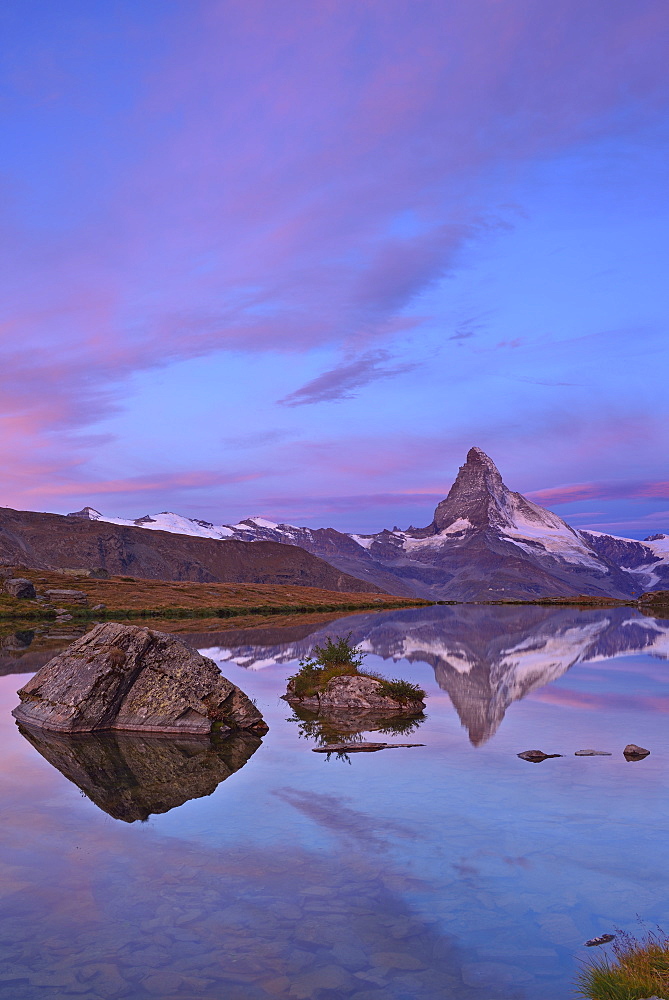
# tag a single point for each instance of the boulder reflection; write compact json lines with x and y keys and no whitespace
{"x":131,"y":776}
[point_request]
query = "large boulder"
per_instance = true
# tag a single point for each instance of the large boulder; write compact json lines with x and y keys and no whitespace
{"x":125,"y":677}
{"x":357,"y":694}
{"x":18,"y":587}
{"x":67,"y":596}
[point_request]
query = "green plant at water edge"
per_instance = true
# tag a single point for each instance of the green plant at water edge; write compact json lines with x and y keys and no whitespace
{"x":402,"y":691}
{"x":639,"y":969}
{"x":333,"y":659}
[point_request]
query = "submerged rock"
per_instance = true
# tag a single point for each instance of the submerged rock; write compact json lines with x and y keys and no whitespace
{"x":126,"y":677}
{"x":355,"y":693}
{"x":633,"y":752}
{"x":131,"y":776}
{"x":362,"y":747}
{"x":18,"y":587}
{"x":592,"y":753}
{"x":536,"y":756}
{"x":602,"y":939}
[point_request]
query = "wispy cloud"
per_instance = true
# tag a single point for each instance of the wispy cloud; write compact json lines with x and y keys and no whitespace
{"x":239,"y":172}
{"x":358,"y":502}
{"x":630,"y":490}
{"x":160,"y":483}
{"x":346,"y":379}
{"x":541,"y":381}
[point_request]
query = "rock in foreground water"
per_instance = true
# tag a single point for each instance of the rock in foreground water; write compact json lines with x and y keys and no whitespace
{"x":361,"y":747}
{"x":125,"y":677}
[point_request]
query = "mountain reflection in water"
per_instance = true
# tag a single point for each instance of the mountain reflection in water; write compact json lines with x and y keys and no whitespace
{"x":485,"y":656}
{"x":130,"y":776}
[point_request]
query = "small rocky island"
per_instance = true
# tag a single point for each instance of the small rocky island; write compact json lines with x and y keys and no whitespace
{"x":132,"y":678}
{"x":330,"y":683}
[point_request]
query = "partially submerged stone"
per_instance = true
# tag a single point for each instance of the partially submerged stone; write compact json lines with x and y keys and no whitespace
{"x":362,"y":747}
{"x":602,"y":939}
{"x":18,"y":587}
{"x":126,"y":677}
{"x":536,"y":756}
{"x":355,"y":693}
{"x":592,"y":753}
{"x":633,"y":752}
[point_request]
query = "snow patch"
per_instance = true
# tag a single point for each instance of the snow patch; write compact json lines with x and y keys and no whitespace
{"x":363,"y":540}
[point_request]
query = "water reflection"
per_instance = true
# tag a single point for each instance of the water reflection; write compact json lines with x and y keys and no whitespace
{"x":130,"y":776}
{"x":485,"y":657}
{"x":25,"y":650}
{"x":440,"y":873}
{"x":325,"y":729}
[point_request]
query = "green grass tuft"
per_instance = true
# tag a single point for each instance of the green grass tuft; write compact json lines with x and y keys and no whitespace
{"x":639,"y":968}
{"x":341,"y":658}
{"x":402,"y":691}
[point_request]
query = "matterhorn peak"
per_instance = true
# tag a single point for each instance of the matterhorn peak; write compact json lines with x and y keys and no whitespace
{"x":475,"y":455}
{"x":479,"y":499}
{"x":478,"y":496}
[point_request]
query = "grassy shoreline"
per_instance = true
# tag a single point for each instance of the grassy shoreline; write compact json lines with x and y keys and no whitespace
{"x":131,"y":598}
{"x":238,"y":611}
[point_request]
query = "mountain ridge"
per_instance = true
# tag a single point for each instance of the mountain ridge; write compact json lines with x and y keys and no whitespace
{"x":51,"y":541}
{"x":485,"y":542}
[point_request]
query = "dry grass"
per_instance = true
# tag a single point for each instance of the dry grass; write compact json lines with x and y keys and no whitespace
{"x":146,"y":596}
{"x":640,"y":968}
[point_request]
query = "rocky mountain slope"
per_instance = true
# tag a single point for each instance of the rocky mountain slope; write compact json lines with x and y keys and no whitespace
{"x":52,"y":541}
{"x":485,"y":542}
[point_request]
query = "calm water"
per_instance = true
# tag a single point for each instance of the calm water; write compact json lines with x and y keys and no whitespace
{"x":453,"y":870}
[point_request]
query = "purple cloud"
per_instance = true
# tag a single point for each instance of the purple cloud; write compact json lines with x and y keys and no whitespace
{"x":239,"y":176}
{"x":644,"y":490}
{"x":343,"y":381}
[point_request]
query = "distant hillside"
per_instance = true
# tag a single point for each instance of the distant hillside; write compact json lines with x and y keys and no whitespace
{"x":52,"y":541}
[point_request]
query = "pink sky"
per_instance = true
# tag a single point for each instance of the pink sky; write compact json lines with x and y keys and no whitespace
{"x":263,"y":257}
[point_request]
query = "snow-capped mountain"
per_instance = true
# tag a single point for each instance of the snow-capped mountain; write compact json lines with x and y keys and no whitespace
{"x":485,"y":542}
{"x":484,"y":657}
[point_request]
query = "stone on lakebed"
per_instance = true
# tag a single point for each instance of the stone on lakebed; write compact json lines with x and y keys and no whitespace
{"x":126,"y":677}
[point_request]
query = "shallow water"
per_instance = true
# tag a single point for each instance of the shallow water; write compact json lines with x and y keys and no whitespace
{"x":453,"y":870}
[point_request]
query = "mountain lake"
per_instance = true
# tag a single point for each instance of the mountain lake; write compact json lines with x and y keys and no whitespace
{"x":147,"y":867}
